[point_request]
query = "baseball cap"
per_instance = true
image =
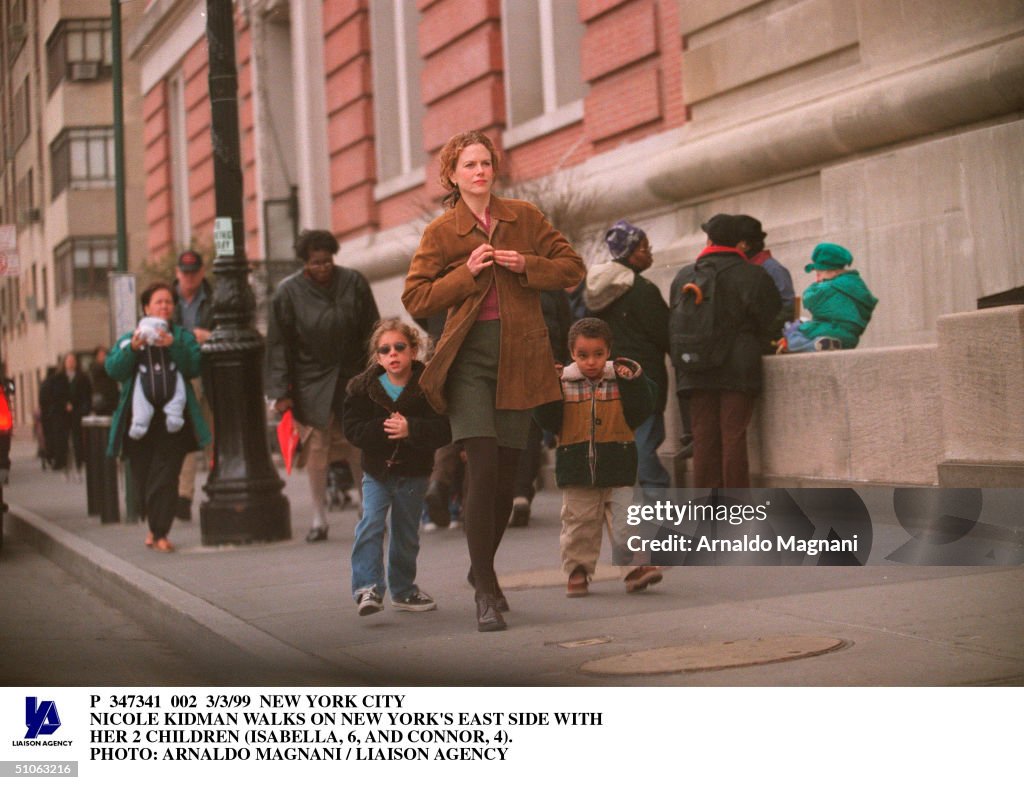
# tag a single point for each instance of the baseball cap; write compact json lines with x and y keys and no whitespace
{"x":190,"y":261}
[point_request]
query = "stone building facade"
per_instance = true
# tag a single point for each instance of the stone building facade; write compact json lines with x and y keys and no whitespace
{"x":57,"y":182}
{"x":895,"y":129}
{"x":892,"y":128}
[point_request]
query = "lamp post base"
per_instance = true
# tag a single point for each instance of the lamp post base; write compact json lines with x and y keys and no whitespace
{"x":250,"y":519}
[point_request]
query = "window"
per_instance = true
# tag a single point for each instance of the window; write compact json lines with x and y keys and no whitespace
{"x":79,"y":50}
{"x":82,"y":159}
{"x":22,"y":113}
{"x":24,"y":200}
{"x":17,"y":32}
{"x":396,"y":96}
{"x":543,"y":86}
{"x":82,"y":265}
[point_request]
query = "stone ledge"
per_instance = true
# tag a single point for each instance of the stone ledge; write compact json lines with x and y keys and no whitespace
{"x":981,"y":474}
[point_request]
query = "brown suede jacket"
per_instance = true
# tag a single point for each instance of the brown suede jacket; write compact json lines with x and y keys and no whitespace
{"x":438,"y":280}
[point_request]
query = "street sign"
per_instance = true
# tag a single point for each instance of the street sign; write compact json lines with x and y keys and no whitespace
{"x":123,"y":304}
{"x":224,"y":237}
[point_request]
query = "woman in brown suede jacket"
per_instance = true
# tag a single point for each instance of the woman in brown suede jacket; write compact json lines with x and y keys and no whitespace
{"x":485,"y":261}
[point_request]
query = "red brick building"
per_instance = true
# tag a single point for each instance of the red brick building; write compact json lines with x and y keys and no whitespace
{"x":825,"y":118}
{"x":614,"y":76}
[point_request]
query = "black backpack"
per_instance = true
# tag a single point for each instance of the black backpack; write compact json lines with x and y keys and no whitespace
{"x":158,"y":375}
{"x":698,"y":337}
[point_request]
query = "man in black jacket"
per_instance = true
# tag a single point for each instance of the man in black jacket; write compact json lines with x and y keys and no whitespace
{"x":320,"y":324}
{"x":69,"y":399}
{"x":722,"y":397}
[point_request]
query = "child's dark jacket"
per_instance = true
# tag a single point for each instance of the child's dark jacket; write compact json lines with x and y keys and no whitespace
{"x":595,"y":426}
{"x":366,"y":408}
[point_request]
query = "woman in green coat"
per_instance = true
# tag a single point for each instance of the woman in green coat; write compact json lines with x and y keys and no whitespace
{"x":157,"y":456}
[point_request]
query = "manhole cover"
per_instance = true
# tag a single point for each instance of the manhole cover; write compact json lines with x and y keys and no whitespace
{"x":707,"y":656}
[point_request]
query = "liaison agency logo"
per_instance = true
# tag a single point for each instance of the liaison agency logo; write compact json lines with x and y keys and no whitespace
{"x":41,"y":719}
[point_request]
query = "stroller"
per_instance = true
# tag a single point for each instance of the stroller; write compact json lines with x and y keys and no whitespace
{"x":339,"y":485}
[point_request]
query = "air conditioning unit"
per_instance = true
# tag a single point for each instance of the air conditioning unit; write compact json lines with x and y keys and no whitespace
{"x":17,"y":32}
{"x":81,"y":72}
{"x":30,"y":215}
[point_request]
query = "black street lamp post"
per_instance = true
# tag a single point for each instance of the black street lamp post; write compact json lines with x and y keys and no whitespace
{"x":246,"y":501}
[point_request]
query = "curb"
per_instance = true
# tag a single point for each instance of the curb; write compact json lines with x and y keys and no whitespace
{"x":229,"y":649}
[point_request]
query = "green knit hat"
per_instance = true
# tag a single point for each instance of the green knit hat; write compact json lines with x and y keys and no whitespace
{"x":829,"y":256}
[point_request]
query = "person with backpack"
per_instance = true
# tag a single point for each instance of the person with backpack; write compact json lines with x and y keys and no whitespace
{"x":156,"y":456}
{"x":722,"y":310}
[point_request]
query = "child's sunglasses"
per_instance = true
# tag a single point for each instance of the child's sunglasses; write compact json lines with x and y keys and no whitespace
{"x":399,"y":347}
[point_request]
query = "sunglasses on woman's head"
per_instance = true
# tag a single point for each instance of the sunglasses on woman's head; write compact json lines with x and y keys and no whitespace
{"x":399,"y":347}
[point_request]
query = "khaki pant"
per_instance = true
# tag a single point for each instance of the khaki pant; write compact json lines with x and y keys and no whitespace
{"x":187,"y":478}
{"x":584,"y":512}
{"x":320,"y":448}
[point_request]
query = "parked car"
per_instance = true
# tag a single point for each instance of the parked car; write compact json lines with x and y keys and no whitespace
{"x":6,"y":429}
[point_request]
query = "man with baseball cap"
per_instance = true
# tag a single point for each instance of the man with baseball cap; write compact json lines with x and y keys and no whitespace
{"x":193,"y":309}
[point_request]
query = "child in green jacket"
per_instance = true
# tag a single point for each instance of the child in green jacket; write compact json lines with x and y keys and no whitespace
{"x":839,"y":301}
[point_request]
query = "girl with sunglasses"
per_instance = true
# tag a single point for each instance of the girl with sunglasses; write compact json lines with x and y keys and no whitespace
{"x":388,"y":418}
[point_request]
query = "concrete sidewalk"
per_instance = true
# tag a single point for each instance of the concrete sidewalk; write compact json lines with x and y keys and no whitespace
{"x":283,"y":613}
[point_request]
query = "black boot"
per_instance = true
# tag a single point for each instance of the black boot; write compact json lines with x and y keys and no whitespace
{"x":437,"y":498}
{"x":500,"y":601}
{"x":488,"y":618}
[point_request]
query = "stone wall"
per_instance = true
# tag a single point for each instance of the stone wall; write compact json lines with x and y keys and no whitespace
{"x":944,"y":414}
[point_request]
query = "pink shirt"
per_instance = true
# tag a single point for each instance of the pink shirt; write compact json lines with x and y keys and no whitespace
{"x":489,"y":306}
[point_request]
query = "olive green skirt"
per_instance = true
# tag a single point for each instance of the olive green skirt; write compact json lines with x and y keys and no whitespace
{"x":472,"y":387}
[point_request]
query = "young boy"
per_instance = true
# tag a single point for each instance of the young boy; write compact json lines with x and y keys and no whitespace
{"x":839,"y":301}
{"x":596,"y":461}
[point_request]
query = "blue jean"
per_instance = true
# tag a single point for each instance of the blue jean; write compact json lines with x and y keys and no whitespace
{"x":648,"y":437}
{"x":797,"y":341}
{"x":403,"y":496}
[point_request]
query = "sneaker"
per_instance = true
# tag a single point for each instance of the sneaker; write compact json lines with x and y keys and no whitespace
{"x":520,"y":512}
{"x":316,"y":534}
{"x":369,"y":603}
{"x":578,"y":585}
{"x":828,"y":344}
{"x":641,"y":578}
{"x":416,"y":601}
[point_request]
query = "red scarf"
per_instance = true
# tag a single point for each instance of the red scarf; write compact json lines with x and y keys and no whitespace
{"x":713,"y":248}
{"x":761,"y":257}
